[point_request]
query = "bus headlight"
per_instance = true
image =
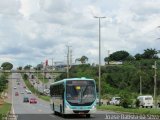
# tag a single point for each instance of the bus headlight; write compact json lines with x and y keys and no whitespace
{"x":67,"y":107}
{"x":93,"y":107}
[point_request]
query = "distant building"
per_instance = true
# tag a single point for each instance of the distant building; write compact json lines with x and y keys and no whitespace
{"x":115,"y":63}
{"x":60,"y":65}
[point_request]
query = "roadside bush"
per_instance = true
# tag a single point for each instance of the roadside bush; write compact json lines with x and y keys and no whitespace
{"x":137,"y":102}
{"x":25,"y":76}
{"x":126,"y":101}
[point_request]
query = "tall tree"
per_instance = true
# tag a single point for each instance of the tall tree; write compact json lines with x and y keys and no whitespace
{"x":7,"y":66}
{"x":83,"y":59}
{"x":39,"y":66}
{"x":150,"y":54}
{"x":106,"y":60}
{"x":27,"y":67}
{"x":19,"y":68}
{"x":119,"y":55}
{"x":138,"y":56}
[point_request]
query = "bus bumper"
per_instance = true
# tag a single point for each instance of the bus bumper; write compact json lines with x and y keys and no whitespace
{"x":80,"y":111}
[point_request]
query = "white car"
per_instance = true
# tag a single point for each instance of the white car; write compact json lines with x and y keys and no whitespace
{"x":115,"y":101}
{"x":145,"y":101}
{"x":28,"y":91}
{"x":15,"y":87}
{"x":46,"y":91}
{"x":22,"y":92}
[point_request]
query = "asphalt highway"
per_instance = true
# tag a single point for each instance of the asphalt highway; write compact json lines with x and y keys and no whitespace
{"x":41,"y":110}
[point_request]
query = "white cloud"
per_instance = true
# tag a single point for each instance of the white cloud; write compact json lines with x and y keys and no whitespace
{"x":33,"y":30}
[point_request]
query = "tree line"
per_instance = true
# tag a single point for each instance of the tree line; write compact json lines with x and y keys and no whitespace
{"x":124,"y":77}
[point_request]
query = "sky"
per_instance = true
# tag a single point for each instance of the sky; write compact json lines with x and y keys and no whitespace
{"x":32,"y":31}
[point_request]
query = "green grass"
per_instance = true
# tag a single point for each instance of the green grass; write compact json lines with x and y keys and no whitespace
{"x":46,"y":98}
{"x":40,"y":77}
{"x":130,"y":110}
{"x":5,"y":108}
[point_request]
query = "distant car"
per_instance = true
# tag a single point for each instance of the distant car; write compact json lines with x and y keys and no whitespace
{"x":22,"y":92}
{"x":25,"y":99}
{"x":28,"y":91}
{"x":33,"y":100}
{"x":18,"y":83}
{"x":16,"y":94}
{"x":97,"y":101}
{"x":32,"y":76}
{"x":115,"y":101}
{"x":24,"y":86}
{"x":46,"y":91}
{"x":37,"y":82}
{"x":15,"y":87}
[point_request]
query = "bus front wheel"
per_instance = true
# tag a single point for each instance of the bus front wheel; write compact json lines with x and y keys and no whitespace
{"x":55,"y":113}
{"x":88,"y":115}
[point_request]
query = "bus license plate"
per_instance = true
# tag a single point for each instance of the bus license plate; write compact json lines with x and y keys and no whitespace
{"x":81,"y":112}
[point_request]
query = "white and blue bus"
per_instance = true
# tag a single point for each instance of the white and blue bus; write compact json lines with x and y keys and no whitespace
{"x":74,"y":96}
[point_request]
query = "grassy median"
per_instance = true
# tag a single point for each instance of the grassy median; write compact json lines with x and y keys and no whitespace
{"x":41,"y":78}
{"x":152,"y":111}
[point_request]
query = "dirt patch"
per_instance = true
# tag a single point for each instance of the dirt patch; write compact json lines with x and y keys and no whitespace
{"x":1,"y":101}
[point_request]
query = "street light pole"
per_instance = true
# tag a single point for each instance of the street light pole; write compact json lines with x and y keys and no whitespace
{"x":99,"y":18}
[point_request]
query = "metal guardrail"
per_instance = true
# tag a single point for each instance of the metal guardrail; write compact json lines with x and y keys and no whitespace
{"x":27,"y":71}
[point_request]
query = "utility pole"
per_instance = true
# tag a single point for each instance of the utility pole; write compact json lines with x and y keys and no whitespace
{"x":70,"y":62}
{"x":37,"y":81}
{"x":68,"y":57}
{"x":140,"y":78}
{"x":155,"y":83}
{"x":140,"y":84}
{"x":108,"y":56}
{"x":52,"y":71}
{"x":43,"y":77}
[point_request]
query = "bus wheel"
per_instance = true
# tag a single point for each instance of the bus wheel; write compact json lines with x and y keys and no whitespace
{"x":53,"y":106}
{"x":61,"y":109}
{"x":55,"y":113}
{"x":64,"y":115}
{"x":88,"y":115}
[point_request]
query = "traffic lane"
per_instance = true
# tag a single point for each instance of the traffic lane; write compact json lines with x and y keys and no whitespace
{"x":43,"y":103}
{"x":99,"y":115}
{"x":25,"y":108}
{"x":59,"y":117}
{"x":21,"y":107}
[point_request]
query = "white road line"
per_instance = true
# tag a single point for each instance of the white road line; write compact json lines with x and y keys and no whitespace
{"x":53,"y":116}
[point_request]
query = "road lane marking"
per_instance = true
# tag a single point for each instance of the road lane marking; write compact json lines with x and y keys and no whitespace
{"x":53,"y":116}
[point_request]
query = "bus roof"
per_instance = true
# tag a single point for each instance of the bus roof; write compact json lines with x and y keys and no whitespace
{"x":67,"y":79}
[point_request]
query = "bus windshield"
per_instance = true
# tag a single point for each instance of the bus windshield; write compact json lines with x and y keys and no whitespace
{"x":80,"y":92}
